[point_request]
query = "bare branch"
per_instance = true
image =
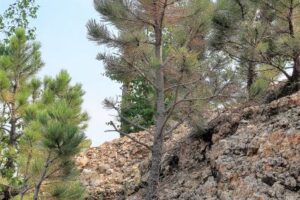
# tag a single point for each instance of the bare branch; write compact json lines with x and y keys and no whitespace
{"x":267,"y":62}
{"x":182,"y":84}
{"x":5,"y":129}
{"x":181,"y":121}
{"x":114,"y":107}
{"x":126,"y":135}
{"x":137,"y":17}
{"x":173,"y":107}
{"x":185,"y":99}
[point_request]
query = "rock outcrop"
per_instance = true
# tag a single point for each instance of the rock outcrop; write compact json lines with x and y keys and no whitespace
{"x":113,"y":169}
{"x":251,"y":153}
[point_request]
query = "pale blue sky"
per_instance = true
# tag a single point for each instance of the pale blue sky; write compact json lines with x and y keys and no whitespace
{"x":62,"y":33}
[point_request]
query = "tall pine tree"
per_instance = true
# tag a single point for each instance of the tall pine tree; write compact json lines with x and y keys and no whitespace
{"x":162,"y":41}
{"x":19,"y":62}
{"x":42,"y":126}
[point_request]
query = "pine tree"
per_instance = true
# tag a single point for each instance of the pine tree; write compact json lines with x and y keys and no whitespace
{"x":260,"y":34}
{"x":237,"y":34}
{"x":42,"y":124}
{"x":19,"y":62}
{"x":53,"y":135}
{"x":282,"y":49}
{"x":162,"y":41}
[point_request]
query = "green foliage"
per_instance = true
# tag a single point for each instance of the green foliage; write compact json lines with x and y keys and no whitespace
{"x":18,"y":15}
{"x":259,"y":87}
{"x":22,"y":56}
{"x":4,"y":81}
{"x":68,"y":191}
{"x":48,"y":119}
{"x":60,"y":135}
{"x":260,"y":32}
{"x":137,"y":105}
{"x":20,"y":60}
{"x":53,"y":135}
{"x":134,"y":37}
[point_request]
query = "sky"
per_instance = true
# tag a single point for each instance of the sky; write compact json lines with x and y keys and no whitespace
{"x":62,"y":33}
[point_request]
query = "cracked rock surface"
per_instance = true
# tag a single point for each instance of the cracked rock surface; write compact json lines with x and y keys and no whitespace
{"x":246,"y":154}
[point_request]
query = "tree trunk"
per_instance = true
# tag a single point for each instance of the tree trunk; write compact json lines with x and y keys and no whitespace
{"x":157,"y":144}
{"x":13,"y":127}
{"x":36,"y":191}
{"x":292,"y":85}
{"x":12,"y":137}
{"x":124,"y":94}
{"x":295,"y":79}
{"x":250,"y":77}
{"x":26,"y":175}
{"x":42,"y":178}
{"x":13,"y":117}
{"x":153,"y":180}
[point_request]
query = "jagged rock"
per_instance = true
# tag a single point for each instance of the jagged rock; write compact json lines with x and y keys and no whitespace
{"x":251,"y":153}
{"x":112,"y":170}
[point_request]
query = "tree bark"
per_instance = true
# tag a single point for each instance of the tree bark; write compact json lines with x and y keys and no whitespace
{"x":12,"y":136}
{"x":42,"y":178}
{"x":125,"y":91}
{"x":295,"y":79}
{"x":26,"y":174}
{"x":292,"y":85}
{"x":13,"y":117}
{"x":153,"y":180}
{"x":157,"y":145}
{"x":38,"y":185}
{"x":12,"y":132}
{"x":250,"y":77}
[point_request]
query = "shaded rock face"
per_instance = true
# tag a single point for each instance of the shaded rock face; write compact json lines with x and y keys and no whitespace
{"x":247,"y":154}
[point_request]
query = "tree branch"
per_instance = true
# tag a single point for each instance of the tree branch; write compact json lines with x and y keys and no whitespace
{"x":182,"y":84}
{"x":114,"y":107}
{"x":138,"y":70}
{"x":181,"y":121}
{"x":127,"y":135}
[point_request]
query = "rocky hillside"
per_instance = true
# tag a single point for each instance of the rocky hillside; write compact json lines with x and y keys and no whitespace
{"x":251,"y":153}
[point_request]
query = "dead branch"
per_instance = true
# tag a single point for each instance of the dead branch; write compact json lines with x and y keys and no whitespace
{"x":114,"y":107}
{"x":126,"y":135}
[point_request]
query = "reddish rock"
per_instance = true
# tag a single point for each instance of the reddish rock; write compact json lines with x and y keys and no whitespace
{"x":245,"y":154}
